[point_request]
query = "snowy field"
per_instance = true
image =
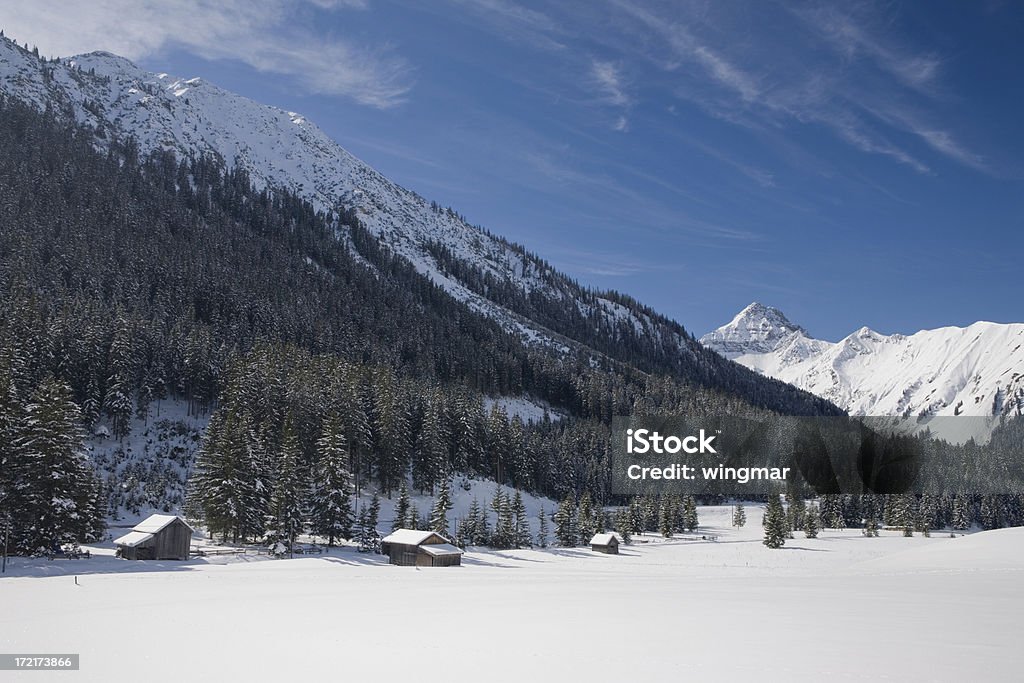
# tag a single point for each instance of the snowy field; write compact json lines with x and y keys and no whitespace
{"x":840,"y":607}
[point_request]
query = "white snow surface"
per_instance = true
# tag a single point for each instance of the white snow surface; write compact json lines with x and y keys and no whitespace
{"x":154,"y":523}
{"x":407,"y":536}
{"x":840,"y":607}
{"x":525,"y":408}
{"x":975,"y":371}
{"x":133,"y":538}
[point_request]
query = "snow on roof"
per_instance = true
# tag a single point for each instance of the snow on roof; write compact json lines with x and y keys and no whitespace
{"x":156,"y":523}
{"x":409,"y":537}
{"x":133,"y":538}
{"x":603,"y":539}
{"x":439,"y":549}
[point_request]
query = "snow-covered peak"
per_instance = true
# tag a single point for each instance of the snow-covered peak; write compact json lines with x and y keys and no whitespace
{"x":976,"y":370}
{"x":755,"y":329}
{"x":191,"y":116}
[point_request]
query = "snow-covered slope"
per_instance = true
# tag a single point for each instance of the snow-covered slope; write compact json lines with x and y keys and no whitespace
{"x":976,"y":370}
{"x":279,"y":149}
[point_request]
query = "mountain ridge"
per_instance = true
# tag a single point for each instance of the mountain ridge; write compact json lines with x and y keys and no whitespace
{"x":976,"y":370}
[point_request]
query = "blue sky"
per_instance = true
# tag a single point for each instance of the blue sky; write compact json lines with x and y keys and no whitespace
{"x":850,"y":163}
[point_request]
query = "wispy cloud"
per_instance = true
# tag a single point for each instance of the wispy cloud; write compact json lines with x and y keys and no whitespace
{"x":607,"y":79}
{"x":515,"y":23}
{"x":273,"y":36}
{"x":853,"y":38}
{"x":585,"y":262}
{"x":769,"y":78}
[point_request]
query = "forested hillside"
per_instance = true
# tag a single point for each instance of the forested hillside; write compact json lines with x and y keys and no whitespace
{"x":326,"y":359}
{"x":130,"y":279}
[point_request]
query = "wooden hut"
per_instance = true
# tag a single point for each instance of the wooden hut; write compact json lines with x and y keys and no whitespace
{"x":409,"y":548}
{"x":605,"y":543}
{"x":158,"y":537}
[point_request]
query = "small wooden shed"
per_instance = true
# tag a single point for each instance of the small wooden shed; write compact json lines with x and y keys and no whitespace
{"x":413,"y":548}
{"x":605,"y":543}
{"x":158,"y":537}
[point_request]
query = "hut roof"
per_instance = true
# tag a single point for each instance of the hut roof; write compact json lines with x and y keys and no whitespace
{"x":441,"y":549}
{"x":157,"y":523}
{"x":410,"y":537}
{"x":603,"y":539}
{"x":133,"y":538}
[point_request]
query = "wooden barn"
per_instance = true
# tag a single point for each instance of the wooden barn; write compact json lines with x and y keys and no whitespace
{"x":409,"y":548}
{"x":158,"y":537}
{"x":605,"y":543}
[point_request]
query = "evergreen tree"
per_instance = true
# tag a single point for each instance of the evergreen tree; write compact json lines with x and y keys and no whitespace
{"x":367,"y":536}
{"x":439,"y":515}
{"x":775,"y":527}
{"x":585,"y":516}
{"x":402,"y":508}
{"x":565,"y":524}
{"x":690,"y":521}
{"x":624,"y":524}
{"x":331,"y":509}
{"x":961,"y":514}
{"x":287,"y":502}
{"x":542,"y":529}
{"x":636,"y":517}
{"x":666,"y":517}
{"x":739,"y":516}
{"x":521,"y":536}
{"x":812,"y":521}
{"x":59,"y":485}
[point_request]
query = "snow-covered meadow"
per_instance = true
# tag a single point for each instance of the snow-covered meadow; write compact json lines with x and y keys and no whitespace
{"x":840,"y":606}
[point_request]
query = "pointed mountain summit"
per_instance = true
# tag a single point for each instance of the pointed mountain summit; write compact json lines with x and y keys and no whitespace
{"x":755,"y":329}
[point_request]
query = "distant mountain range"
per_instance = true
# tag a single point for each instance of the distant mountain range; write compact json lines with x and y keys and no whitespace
{"x":976,"y":370}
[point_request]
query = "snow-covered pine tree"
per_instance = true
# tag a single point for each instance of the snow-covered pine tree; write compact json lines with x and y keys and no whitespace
{"x":566,"y":532}
{"x":739,"y":515}
{"x":12,"y":472}
{"x":775,"y":527}
{"x":331,"y":508}
{"x":812,"y":521}
{"x":666,"y":517}
{"x":542,"y":529}
{"x":636,"y":517}
{"x":431,"y":465}
{"x":367,"y":536}
{"x":795,"y":511}
{"x":624,"y":524}
{"x":831,"y":511}
{"x":414,"y":521}
{"x":690,"y":520}
{"x":871,"y":521}
{"x":521,"y":536}
{"x":439,"y":514}
{"x":287,"y":517}
{"x":961,"y":513}
{"x":402,"y":508}
{"x":928,"y":512}
{"x":59,"y":485}
{"x":374,"y":512}
{"x":585,"y":520}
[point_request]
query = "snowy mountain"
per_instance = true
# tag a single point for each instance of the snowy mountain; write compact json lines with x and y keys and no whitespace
{"x":278,"y":149}
{"x":283,"y":150}
{"x":976,"y":370}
